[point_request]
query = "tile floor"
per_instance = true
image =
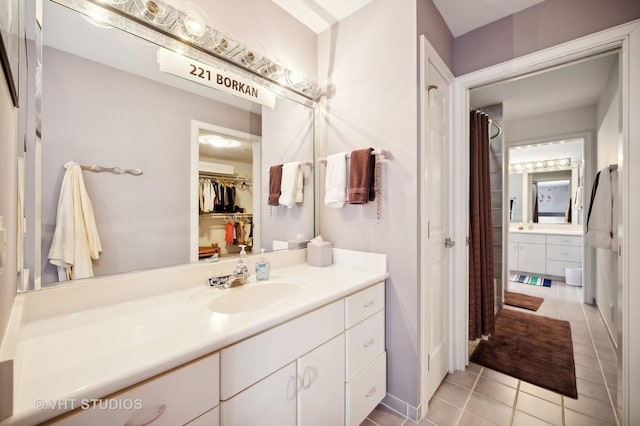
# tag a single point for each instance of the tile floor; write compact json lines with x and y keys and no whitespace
{"x":480,"y":396}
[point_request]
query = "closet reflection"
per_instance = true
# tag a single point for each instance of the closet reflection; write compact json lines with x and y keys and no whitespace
{"x":225,"y":190}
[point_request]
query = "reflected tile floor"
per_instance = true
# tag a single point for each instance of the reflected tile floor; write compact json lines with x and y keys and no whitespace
{"x":481,"y":396}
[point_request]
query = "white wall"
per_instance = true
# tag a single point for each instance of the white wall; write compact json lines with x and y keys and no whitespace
{"x":8,"y":196}
{"x":609,"y":135}
{"x":370,"y":59}
{"x":571,"y":121}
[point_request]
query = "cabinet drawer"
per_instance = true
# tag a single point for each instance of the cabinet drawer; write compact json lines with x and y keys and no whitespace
{"x":363,"y":304}
{"x":366,"y":390}
{"x":556,"y":267}
{"x":210,"y":418}
{"x":564,"y":253}
{"x":564,"y":240}
{"x":173,"y":398}
{"x":246,"y":362}
{"x":365,"y":342}
{"x":518,"y":237}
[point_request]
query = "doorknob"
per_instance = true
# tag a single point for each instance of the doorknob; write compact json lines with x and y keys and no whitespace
{"x":449,"y":243}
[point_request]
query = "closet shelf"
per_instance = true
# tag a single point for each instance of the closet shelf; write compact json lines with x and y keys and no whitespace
{"x":226,"y":215}
{"x":223,"y":176}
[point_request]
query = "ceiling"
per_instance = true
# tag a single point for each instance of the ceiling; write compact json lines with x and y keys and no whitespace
{"x":461,"y":16}
{"x":566,"y":87}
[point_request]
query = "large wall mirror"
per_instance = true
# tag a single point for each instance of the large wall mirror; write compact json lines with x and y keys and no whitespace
{"x":545,"y":183}
{"x":105,"y":102}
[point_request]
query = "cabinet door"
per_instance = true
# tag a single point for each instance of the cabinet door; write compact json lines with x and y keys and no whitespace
{"x":513,"y":257}
{"x":531,"y":258}
{"x":271,"y":401}
{"x":321,"y":385}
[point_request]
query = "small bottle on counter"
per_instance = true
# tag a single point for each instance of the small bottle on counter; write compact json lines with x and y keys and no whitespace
{"x":263,"y":268}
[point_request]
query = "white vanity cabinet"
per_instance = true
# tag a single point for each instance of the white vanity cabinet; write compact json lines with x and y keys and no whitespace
{"x":544,"y":254}
{"x":327,"y":367}
{"x":527,"y":253}
{"x":366,"y":378}
{"x":291,"y":374}
{"x":563,"y":251}
{"x":157,"y":401}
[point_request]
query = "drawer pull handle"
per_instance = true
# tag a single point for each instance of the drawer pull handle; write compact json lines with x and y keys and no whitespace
{"x":371,"y":392}
{"x":291,"y":388}
{"x":155,"y":415}
{"x":369,"y":343}
{"x":306,"y":378}
{"x":369,"y":304}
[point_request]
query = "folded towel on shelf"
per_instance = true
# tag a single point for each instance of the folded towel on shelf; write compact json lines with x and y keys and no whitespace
{"x":360,"y":176}
{"x":336,"y":180}
{"x":75,"y":240}
{"x":275,"y":181}
{"x":291,"y":188}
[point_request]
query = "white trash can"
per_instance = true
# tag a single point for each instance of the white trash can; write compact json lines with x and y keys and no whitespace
{"x":573,"y":276}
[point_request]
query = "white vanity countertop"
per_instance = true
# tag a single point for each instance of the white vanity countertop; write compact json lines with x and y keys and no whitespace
{"x":548,"y":231}
{"x":93,"y":353}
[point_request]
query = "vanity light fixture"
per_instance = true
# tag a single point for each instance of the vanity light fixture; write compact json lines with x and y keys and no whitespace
{"x":529,"y":166}
{"x":190,"y":27}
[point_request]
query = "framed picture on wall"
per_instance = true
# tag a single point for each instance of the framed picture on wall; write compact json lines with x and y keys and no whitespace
{"x":9,"y":44}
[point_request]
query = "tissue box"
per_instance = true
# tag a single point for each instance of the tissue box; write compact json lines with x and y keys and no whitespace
{"x":320,"y":254}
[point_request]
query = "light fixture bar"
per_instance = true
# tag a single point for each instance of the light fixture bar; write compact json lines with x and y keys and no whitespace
{"x":531,"y":166}
{"x":239,"y":56}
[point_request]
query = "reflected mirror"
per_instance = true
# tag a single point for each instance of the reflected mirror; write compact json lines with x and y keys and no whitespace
{"x":545,"y":183}
{"x":105,"y":102}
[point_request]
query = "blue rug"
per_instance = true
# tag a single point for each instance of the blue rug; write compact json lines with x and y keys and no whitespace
{"x":531,"y":279}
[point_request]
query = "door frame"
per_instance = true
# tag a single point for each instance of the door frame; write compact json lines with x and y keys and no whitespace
{"x":622,"y":36}
{"x":429,"y":55}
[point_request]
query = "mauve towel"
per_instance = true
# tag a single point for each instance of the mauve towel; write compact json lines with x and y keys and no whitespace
{"x":359,"y":176}
{"x":275,"y":180}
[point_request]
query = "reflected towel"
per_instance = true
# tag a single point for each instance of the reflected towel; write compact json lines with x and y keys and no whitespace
{"x":336,"y":180}
{"x":291,"y":174}
{"x":360,"y":176}
{"x":275,"y":180}
{"x":75,"y":239}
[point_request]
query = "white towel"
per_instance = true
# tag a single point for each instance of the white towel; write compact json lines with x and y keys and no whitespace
{"x":291,"y":184}
{"x":336,"y":180}
{"x":75,"y":239}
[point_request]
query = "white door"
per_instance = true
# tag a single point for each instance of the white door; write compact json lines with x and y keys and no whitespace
{"x":321,"y":384}
{"x":435,"y":108}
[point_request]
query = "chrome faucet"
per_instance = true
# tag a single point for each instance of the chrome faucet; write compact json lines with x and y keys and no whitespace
{"x":240,"y":274}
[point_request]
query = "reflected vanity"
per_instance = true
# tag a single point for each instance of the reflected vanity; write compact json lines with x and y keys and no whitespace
{"x":105,"y":101}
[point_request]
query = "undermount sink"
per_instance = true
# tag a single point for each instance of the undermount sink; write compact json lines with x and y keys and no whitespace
{"x":250,"y":297}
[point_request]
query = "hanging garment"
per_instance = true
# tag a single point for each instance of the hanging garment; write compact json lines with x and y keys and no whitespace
{"x":602,"y":218}
{"x":228,"y":235}
{"x":336,"y":180}
{"x":289,"y":184}
{"x":75,"y":240}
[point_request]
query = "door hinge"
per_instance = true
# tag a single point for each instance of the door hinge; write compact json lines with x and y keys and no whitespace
{"x":428,"y":362}
{"x":449,"y":243}
{"x":467,"y":241}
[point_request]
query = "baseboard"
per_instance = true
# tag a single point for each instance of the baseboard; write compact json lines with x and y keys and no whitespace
{"x":401,"y":407}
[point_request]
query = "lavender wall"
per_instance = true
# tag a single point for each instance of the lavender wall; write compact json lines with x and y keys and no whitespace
{"x":431,"y":24}
{"x":287,"y":135}
{"x":143,"y":221}
{"x":544,"y":25}
{"x":374,"y":104}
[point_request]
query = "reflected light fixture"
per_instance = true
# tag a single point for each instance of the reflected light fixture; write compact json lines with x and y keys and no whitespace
{"x":539,"y":165}
{"x":190,"y":26}
{"x":218,"y":141}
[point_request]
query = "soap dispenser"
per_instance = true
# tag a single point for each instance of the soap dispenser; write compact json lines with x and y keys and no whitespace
{"x":263,"y":268}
